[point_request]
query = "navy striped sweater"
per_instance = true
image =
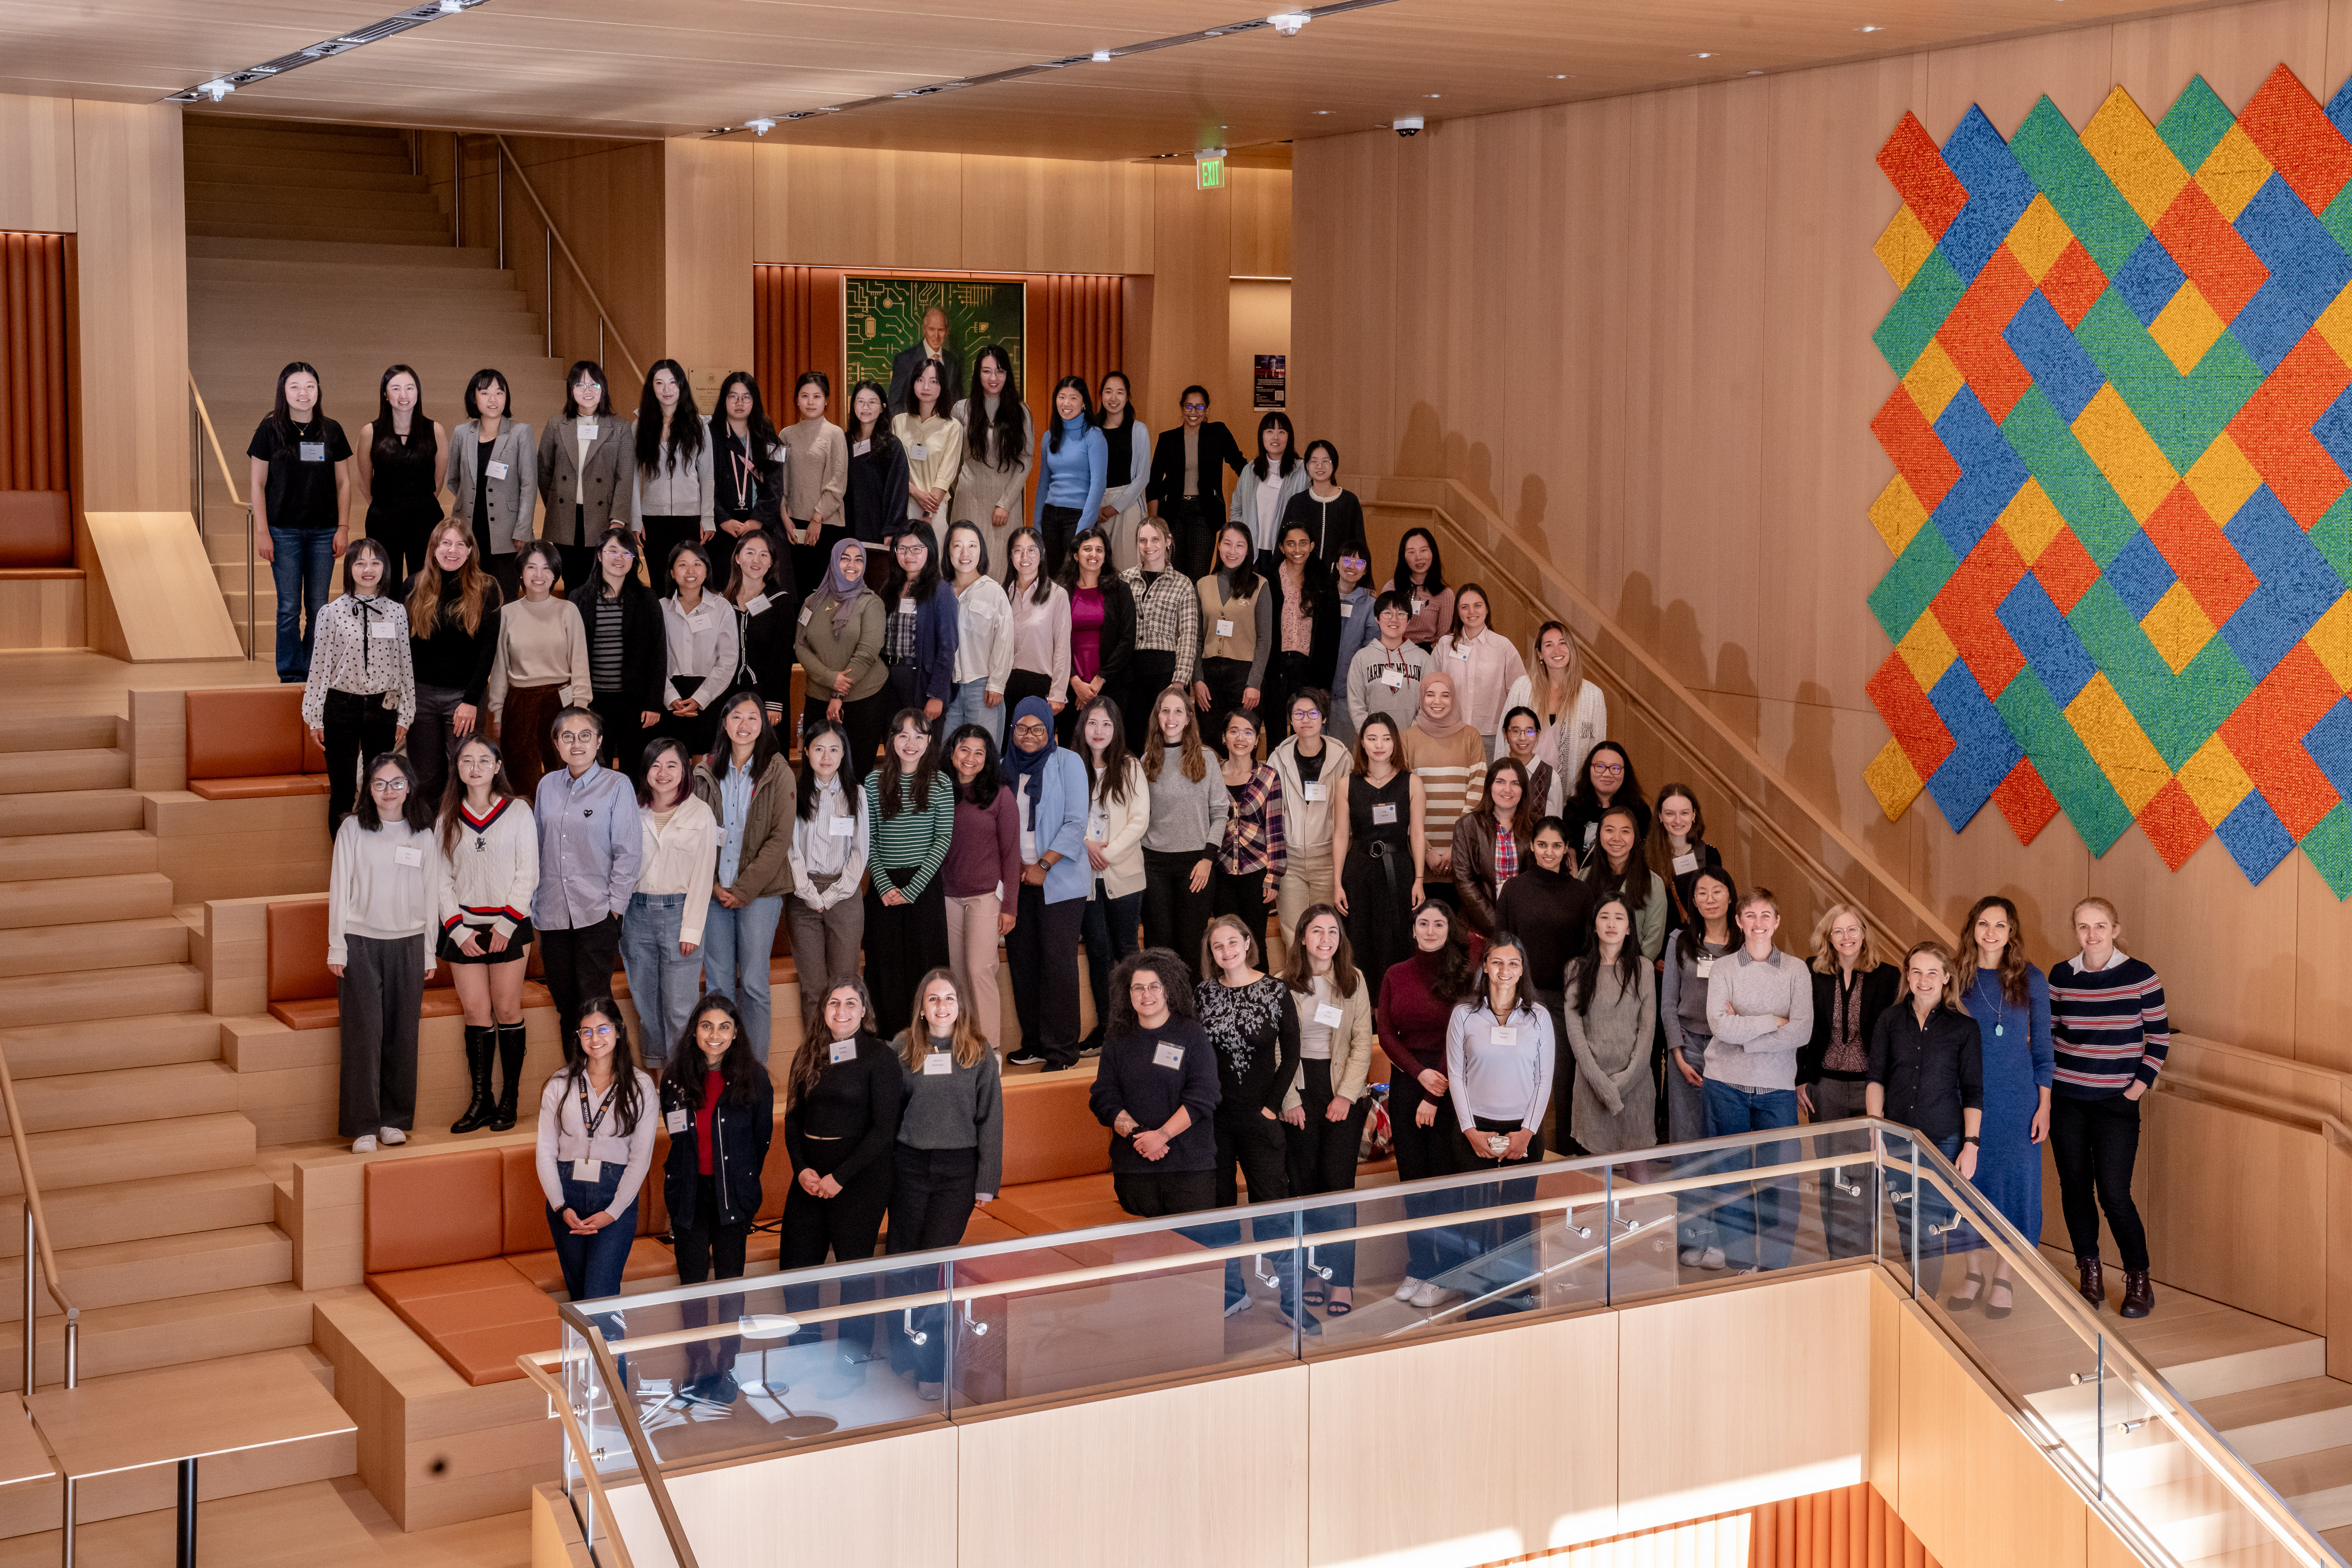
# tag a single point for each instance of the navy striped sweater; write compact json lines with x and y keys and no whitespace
{"x":2110,"y":1027}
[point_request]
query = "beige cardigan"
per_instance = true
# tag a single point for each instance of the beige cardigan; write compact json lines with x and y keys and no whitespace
{"x":1124,"y":825}
{"x":1351,"y":1045}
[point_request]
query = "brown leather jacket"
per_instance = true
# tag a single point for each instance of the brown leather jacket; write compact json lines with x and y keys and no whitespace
{"x":1474,"y":870}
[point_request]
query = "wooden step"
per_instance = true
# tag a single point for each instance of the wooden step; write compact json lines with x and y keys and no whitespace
{"x":38,"y":856}
{"x":207,"y":131}
{"x":98,"y":945}
{"x":156,"y":1268}
{"x":219,"y":173}
{"x":61,"y":733}
{"x":295,"y":1526}
{"x":336,"y":190}
{"x":72,"y":811}
{"x":95,"y":1045}
{"x":391,"y":212}
{"x":208,"y":274}
{"x":126,"y":896}
{"x":46,"y":771}
{"x":352,"y":234}
{"x":108,"y":994}
{"x":455,"y":257}
{"x":453,"y":307}
{"x":86,"y":1156}
{"x":125,"y":1095}
{"x":223,"y":156}
{"x":2287,"y":1418}
{"x":156,"y":1206}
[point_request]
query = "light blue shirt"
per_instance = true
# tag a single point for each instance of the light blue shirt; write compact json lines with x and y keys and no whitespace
{"x":735,"y":805}
{"x":589,"y":849}
{"x":1062,"y":803}
{"x":1073,"y":477}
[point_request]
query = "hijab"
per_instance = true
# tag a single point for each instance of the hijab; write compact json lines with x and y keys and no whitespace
{"x":839,"y":590}
{"x":1437,"y":730}
{"x":1019,"y":765}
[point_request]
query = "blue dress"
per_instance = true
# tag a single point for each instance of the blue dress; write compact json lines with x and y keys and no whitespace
{"x":2018,"y":1066}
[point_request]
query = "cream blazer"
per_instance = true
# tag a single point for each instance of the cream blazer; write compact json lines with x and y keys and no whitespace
{"x":1123,"y":822}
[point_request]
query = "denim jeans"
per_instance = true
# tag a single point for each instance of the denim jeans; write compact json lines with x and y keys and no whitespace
{"x":1758,"y":1231}
{"x":663,"y":985}
{"x":737,"y":947}
{"x":593,"y":1265}
{"x":1109,"y":931}
{"x":1687,"y":1123}
{"x":304,"y":559}
{"x":968,"y":704}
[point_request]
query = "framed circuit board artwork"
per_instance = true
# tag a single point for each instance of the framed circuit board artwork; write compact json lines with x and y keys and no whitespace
{"x":882,"y":315}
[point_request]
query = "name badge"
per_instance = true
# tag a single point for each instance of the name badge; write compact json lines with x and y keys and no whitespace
{"x":1225,"y":628}
{"x":1347,"y":612}
{"x":1383,"y":814}
{"x":1327,"y":1015}
{"x":314,"y":451}
{"x":1590,"y":829}
{"x":1392,"y":678}
{"x":842,"y":827}
{"x":1315,"y":790}
{"x":588,"y":431}
{"x":843,"y":1051}
{"x":917,"y":452}
{"x":938,"y":1064}
{"x":1503,"y":1035}
{"x":1705,"y":967}
{"x":386,"y":629}
{"x":1463,"y":654}
{"x":806,"y":613}
{"x":1685,"y":864}
{"x":586,"y":1169}
{"x":756,"y":605}
{"x":676,"y":1120}
{"x":1419,"y":604}
{"x":1167,"y":1056}
{"x":496,"y":470}
{"x":861,"y":448}
{"x":409,"y":854}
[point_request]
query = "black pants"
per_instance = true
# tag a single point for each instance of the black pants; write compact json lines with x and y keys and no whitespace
{"x":1321,"y":1157}
{"x":1286,"y":675}
{"x":1504,"y":1248}
{"x":867,"y":719}
{"x":1150,"y":672}
{"x":432,"y":746}
{"x":400,"y":526}
{"x":664,"y":534}
{"x":1422,"y":1153}
{"x":812,"y":562}
{"x":579,"y":964}
{"x":506,"y":571}
{"x":1250,"y":1141}
{"x":359,"y":730}
{"x":379,"y":995}
{"x":705,"y":1250}
{"x":697,"y":733}
{"x":580,"y":559}
{"x":1243,"y":894}
{"x":845,"y":1226}
{"x":903,"y":943}
{"x":1024,"y":683}
{"x":624,"y":734}
{"x":1193,"y":523}
{"x":1043,"y":952}
{"x":2095,"y":1143}
{"x":1061,"y":526}
{"x":1175,"y":916}
{"x":1150,"y":1194}
{"x":931,"y":1196}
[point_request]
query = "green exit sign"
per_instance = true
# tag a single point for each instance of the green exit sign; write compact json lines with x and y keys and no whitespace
{"x":1209,"y":169}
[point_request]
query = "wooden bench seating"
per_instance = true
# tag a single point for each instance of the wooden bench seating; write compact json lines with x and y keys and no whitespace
{"x":248,"y":743}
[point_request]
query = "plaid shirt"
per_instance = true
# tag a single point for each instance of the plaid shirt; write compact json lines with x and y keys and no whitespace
{"x":1167,"y":619}
{"x":1254,"y":827}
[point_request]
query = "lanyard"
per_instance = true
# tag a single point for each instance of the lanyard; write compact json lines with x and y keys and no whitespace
{"x":588,"y":1124}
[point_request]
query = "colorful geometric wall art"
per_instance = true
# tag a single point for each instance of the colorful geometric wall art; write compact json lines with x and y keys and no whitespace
{"x":2121,"y":518}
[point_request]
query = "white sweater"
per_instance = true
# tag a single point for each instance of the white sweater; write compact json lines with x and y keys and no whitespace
{"x":1118,"y":825}
{"x":983,"y":635}
{"x":385,"y":885}
{"x":493,"y":871}
{"x":562,"y":1136}
{"x":682,"y":858}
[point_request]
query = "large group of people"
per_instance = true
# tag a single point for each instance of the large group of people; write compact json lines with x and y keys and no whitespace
{"x":1138,"y":719}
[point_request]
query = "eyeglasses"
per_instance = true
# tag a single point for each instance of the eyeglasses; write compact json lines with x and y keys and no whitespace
{"x":1196,"y":409}
{"x":1030,"y":728}
{"x":596,"y":1031}
{"x":575,"y":737}
{"x":1147,"y":988}
{"x":1608,"y":767}
{"x":388,"y":787}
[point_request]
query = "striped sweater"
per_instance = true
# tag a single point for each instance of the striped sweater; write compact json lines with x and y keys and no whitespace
{"x":1452,"y":774}
{"x":2108,"y":1026}
{"x":913,"y":845}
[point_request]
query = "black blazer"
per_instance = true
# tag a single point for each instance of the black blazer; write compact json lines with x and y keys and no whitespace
{"x":1118,"y":637}
{"x":765,"y":642}
{"x":1217,"y":446}
{"x":1881,"y":985}
{"x":1336,"y":525}
{"x":645,"y":645}
{"x":739,"y":1148}
{"x":909,"y":360}
{"x":1930,"y":1075}
{"x":876,"y":506}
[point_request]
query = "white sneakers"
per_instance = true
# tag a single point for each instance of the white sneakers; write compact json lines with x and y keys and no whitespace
{"x":1702,"y":1257}
{"x":1431,"y":1294}
{"x":390,"y":1137}
{"x":363,"y":1145}
{"x":1405,"y":1292}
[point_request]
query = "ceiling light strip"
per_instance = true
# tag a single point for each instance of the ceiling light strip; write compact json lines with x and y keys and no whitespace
{"x":220,"y":86}
{"x":1017,"y":73}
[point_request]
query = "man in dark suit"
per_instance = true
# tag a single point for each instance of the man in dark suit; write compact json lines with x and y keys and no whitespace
{"x":933,"y":346}
{"x":1187,"y":488}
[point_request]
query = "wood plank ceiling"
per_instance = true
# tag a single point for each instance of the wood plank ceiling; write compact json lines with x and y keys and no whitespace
{"x":628,"y":69}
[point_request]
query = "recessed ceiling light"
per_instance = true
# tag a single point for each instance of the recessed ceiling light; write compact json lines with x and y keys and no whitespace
{"x":1432,"y":95}
{"x":1322,"y":111}
{"x":1704,"y":54}
{"x":1560,"y":78}
{"x":1101,"y":56}
{"x":1755,"y":73}
{"x":1871,"y":27}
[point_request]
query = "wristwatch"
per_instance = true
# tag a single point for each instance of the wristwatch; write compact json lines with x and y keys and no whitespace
{"x":1976,"y":1140}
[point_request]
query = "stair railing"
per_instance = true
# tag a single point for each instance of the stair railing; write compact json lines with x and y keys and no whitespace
{"x":37,"y":1243}
{"x":228,"y":478}
{"x":556,"y":240}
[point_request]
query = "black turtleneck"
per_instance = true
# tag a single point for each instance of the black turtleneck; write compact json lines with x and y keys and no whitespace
{"x":1551,"y":912}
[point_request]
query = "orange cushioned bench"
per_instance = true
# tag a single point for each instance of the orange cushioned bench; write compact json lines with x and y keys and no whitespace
{"x":248,"y":743}
{"x":302,"y":990}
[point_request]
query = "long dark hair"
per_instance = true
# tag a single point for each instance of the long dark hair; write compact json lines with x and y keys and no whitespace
{"x":804,"y":793}
{"x":1587,"y":965}
{"x":1311,"y":577}
{"x":1632,"y":884}
{"x":628,"y":1100}
{"x":1241,"y":582}
{"x":998,"y":442}
{"x":1276,"y":419}
{"x":880,"y":434}
{"x":685,"y":431}
{"x":415,"y":809}
{"x":391,"y":446}
{"x":918,"y":796}
{"x":739,"y":1071}
{"x":911,"y":403}
{"x":281,"y":413}
{"x":765,"y":747}
{"x":1584,"y":801}
{"x":654,"y":749}
{"x":595,"y":373}
{"x":762,"y":428}
{"x":1452,"y":981}
{"x":1175,"y":979}
{"x":1298,"y":970}
{"x":1523,"y":996}
{"x":1085,"y":407}
{"x":811,"y":1060}
{"x":923,"y":583}
{"x":768,"y":583}
{"x":1522,"y":826}
{"x":1431,"y":585}
{"x":1101,"y":415}
{"x":1070,"y":574}
{"x":1042,"y":591}
{"x":1119,"y":763}
{"x":367,"y":544}
{"x":452,"y":797}
{"x":982,"y":791}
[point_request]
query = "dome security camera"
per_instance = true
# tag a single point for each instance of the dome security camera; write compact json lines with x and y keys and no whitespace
{"x":1409,"y":126}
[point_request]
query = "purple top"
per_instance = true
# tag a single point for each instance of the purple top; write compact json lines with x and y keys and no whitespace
{"x":1085,"y":632}
{"x":984,"y":853}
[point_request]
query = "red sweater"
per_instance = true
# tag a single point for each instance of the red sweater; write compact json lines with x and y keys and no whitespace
{"x":1413,"y":1016}
{"x":713,"y":1086}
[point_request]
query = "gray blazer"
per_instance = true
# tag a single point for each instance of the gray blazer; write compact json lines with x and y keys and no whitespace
{"x":1242,"y":508}
{"x":602,"y":487}
{"x":511,"y":500}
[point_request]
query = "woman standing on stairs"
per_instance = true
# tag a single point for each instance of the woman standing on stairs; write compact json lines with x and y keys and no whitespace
{"x":489,"y":869}
{"x":301,"y":491}
{"x":748,"y":788}
{"x":596,"y":1122}
{"x":628,"y":648}
{"x":2106,"y":1010}
{"x":661,"y":933}
{"x":360,"y":693}
{"x":712,"y":1183}
{"x":495,"y":478}
{"x":998,"y":447}
{"x":817,"y":477}
{"x":584,"y":471}
{"x":670,"y":490}
{"x":383,"y":896}
{"x":403,"y":457}
{"x":540,"y":667}
{"x":2010,"y":1000}
{"x":748,"y":463}
{"x":453,"y":635}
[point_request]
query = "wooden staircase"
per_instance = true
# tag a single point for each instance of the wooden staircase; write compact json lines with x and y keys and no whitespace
{"x":319,"y":243}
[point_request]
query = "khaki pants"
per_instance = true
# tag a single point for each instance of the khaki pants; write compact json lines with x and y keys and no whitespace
{"x":1306,"y":881}
{"x":971,"y":953}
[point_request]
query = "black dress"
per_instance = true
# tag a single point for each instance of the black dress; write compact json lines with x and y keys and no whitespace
{"x":402,"y":504}
{"x":745,"y":488}
{"x":1378,"y":877}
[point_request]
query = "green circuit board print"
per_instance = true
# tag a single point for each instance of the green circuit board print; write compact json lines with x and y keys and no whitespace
{"x":883,"y":315}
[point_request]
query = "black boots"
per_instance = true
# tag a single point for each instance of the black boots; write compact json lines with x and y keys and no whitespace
{"x":511,"y":1049}
{"x":2095,"y":1285}
{"x":481,"y":1045}
{"x":2140,"y":1294}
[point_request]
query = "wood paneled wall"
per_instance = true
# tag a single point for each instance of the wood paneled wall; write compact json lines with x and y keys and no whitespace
{"x":796,"y":326}
{"x":34,"y":421}
{"x":1639,"y":328}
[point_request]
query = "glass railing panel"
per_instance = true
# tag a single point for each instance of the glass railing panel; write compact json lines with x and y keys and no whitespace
{"x":2149,"y":1468}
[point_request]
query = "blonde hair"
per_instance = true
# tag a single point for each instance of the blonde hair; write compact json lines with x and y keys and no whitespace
{"x":2093,"y":901}
{"x":1953,"y":996}
{"x":1826,"y":958}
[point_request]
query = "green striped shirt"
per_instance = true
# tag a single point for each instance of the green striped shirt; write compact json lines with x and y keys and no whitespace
{"x":913,"y":840}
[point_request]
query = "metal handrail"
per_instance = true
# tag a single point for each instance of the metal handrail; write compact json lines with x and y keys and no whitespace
{"x":204,"y":416}
{"x":559,"y":1402}
{"x":641,"y":1447}
{"x":604,"y":319}
{"x":1763,"y":820}
{"x":37,"y":1243}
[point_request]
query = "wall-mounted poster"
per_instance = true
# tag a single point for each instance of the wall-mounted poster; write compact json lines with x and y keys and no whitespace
{"x":883,"y":318}
{"x":1272,"y":369}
